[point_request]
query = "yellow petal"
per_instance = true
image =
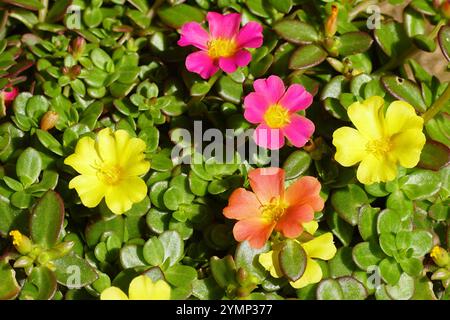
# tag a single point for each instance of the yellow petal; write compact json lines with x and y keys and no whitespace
{"x":106,"y":146}
{"x":407,"y":146}
{"x":85,"y":159}
{"x":269,"y":261}
{"x":367,"y":116}
{"x":113,"y":293}
{"x":373,"y":169}
{"x":143,"y":288}
{"x":312,"y":274}
{"x":120,"y":197}
{"x":401,"y":116}
{"x":310,"y":227}
{"x":350,"y":146}
{"x":321,"y":247}
{"x":90,"y":189}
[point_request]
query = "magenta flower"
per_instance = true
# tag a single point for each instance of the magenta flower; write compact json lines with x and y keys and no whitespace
{"x":9,"y":94}
{"x":223,"y":47}
{"x":274,"y":108}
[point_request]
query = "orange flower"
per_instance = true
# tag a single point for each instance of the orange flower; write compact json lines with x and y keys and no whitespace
{"x":271,"y":207}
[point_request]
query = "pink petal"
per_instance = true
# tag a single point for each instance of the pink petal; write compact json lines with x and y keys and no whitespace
{"x":199,"y":62}
{"x":290,"y":223}
{"x":272,"y":88}
{"x":223,"y":26}
{"x":192,"y":34}
{"x":305,"y":190}
{"x":242,"y":204}
{"x":299,"y":130}
{"x":268,"y":138}
{"x":255,"y":230}
{"x":267,"y":183}
{"x":255,"y":106}
{"x":250,"y":36}
{"x":296,"y":98}
{"x":240,"y":59}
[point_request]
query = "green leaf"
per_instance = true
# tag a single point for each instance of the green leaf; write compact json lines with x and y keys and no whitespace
{"x":42,"y":279}
{"x":423,"y":289}
{"x":10,"y":218}
{"x":444,"y":41}
{"x":179,"y":275}
{"x":96,"y":229}
{"x":173,"y":247}
{"x":247,"y":257}
{"x":223,"y":270}
{"x":178,"y":15}
{"x":9,"y":288}
{"x":388,"y":243}
{"x":403,"y":290}
{"x":388,"y":221}
{"x":405,"y":90}
{"x":354,"y":42}
{"x":352,"y":289}
{"x":329,"y":289}
{"x":339,"y":227}
{"x":307,"y":56}
{"x":283,"y":6}
{"x":47,"y":220}
{"x":347,"y":201}
{"x":34,"y":5}
{"x":49,"y":142}
{"x":342,"y":263}
{"x":296,"y":164}
{"x":423,"y":6}
{"x":397,"y":201}
{"x":390,"y":271}
{"x":206,"y":289}
{"x":392,"y":38}
{"x":296,"y":31}
{"x":367,"y":222}
{"x":413,"y":22}
{"x":229,"y":90}
{"x":434,"y":155}
{"x":421,"y":184}
{"x":411,"y":266}
{"x":29,"y":166}
{"x":74,"y":272}
{"x":132,"y":256}
{"x":292,"y":258}
{"x":100,"y":58}
{"x":421,"y":242}
{"x":154,"y":251}
{"x":367,"y":254}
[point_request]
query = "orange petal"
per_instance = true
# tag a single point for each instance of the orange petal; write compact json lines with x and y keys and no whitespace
{"x":305,"y":191}
{"x":290,"y":223}
{"x":242,"y":204}
{"x":267,"y":183}
{"x":255,"y":230}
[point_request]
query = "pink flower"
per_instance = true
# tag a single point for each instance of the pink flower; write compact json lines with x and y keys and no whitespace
{"x":274,"y":108}
{"x":9,"y":94}
{"x":223,"y":47}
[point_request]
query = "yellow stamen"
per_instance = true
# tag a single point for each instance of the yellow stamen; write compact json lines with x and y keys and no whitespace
{"x":277,"y":116}
{"x":221,"y":48}
{"x":274,"y":210}
{"x":17,"y":237}
{"x":379,"y":148}
{"x":108,"y":174}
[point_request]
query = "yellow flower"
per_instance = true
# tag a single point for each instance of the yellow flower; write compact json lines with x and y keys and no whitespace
{"x":141,"y":288}
{"x":21,"y":242}
{"x":380,"y":141}
{"x":321,"y":247}
{"x":109,"y":167}
{"x":440,"y":256}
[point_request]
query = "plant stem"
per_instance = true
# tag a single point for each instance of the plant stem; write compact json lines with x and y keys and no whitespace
{"x":211,"y":82}
{"x":43,"y":12}
{"x":359,"y":8}
{"x":437,"y":105}
{"x":155,"y":6}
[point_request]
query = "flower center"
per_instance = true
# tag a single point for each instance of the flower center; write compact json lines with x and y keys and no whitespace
{"x":379,"y":147}
{"x":221,"y":48}
{"x":109,"y":174}
{"x":17,"y":237}
{"x":277,"y":116}
{"x":274,"y":210}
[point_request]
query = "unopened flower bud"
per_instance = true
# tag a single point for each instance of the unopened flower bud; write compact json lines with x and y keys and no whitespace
{"x":48,"y":120}
{"x":331,"y":23}
{"x":21,"y":242}
{"x":78,"y":46}
{"x":445,"y":9}
{"x":9,"y":94}
{"x":23,"y":262}
{"x":440,"y":256}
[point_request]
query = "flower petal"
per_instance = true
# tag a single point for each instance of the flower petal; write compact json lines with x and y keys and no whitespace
{"x":272,"y":88}
{"x":223,"y":26}
{"x":312,"y":274}
{"x":143,"y":288}
{"x":310,"y":227}
{"x":199,"y":62}
{"x":89,"y":188}
{"x":255,"y":230}
{"x":350,"y":146}
{"x":372,"y":170}
{"x":240,"y":59}
{"x":407,"y":146}
{"x":132,"y":158}
{"x":296,"y":98}
{"x":255,"y":106}
{"x":250,"y":36}
{"x":367,"y":116}
{"x":269,"y":260}
{"x":321,"y":247}
{"x":299,"y":130}
{"x":85,"y":159}
{"x":290,"y":224}
{"x":193,"y":34}
{"x":113,"y":293}
{"x":242,"y":204}
{"x":305,"y":190}
{"x":401,"y":116}
{"x":119,"y":198}
{"x":267,"y":183}
{"x":268,"y":138}
{"x":106,"y":146}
